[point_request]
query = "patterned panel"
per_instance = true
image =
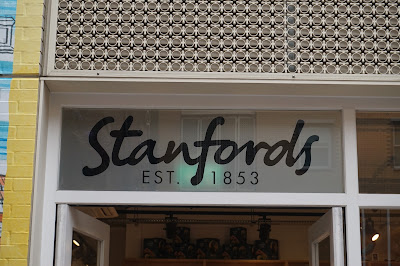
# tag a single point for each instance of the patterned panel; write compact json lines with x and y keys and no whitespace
{"x":341,"y":36}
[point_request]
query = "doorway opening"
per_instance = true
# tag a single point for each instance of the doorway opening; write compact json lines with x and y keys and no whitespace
{"x":158,"y":235}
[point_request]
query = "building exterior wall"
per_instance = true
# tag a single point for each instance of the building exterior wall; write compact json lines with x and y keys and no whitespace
{"x":22,"y":80}
{"x":19,"y":80}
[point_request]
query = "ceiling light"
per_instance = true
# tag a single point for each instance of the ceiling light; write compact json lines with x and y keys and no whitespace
{"x":76,"y":243}
{"x":375,"y":237}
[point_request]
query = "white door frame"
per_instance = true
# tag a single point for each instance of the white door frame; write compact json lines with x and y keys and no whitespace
{"x":69,"y":220}
{"x":46,"y":195}
{"x":329,"y":225}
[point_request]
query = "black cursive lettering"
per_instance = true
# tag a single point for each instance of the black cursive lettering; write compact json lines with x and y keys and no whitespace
{"x":105,"y":159}
{"x":273,"y":155}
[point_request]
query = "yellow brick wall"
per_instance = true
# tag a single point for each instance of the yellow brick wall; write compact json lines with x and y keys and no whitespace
{"x":20,"y":158}
{"x":22,"y":131}
{"x":28,"y":33}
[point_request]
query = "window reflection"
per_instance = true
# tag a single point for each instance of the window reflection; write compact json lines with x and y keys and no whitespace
{"x":378,"y":141}
{"x":84,"y":250}
{"x":380,"y":237}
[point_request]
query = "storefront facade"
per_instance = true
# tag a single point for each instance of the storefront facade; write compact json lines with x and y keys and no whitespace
{"x":306,"y":96}
{"x":349,"y":198}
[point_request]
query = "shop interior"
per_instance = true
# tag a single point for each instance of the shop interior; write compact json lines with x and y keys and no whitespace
{"x":380,"y":237}
{"x":202,"y":236}
{"x":144,"y":235}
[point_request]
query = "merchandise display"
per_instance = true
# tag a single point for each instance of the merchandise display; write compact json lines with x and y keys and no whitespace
{"x":266,"y":250}
{"x":182,"y":235}
{"x":153,"y":247}
{"x":185,"y":251}
{"x":211,"y":248}
{"x":208,"y":248}
{"x":238,"y":235}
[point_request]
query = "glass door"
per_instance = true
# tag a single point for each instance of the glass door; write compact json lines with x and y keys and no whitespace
{"x":325,"y":238}
{"x":81,"y":239}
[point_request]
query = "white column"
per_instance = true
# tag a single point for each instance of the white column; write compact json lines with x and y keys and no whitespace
{"x":353,"y":238}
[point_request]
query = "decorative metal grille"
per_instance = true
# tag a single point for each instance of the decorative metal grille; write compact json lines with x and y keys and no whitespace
{"x":326,"y":36}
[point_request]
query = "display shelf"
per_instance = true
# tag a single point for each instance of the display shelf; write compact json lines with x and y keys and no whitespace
{"x":209,"y":262}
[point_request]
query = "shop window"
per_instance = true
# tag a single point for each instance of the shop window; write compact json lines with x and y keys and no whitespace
{"x":238,"y":128}
{"x":378,"y":140}
{"x":380,"y":237}
{"x":396,"y":144}
{"x":322,"y":149}
{"x":202,"y":150}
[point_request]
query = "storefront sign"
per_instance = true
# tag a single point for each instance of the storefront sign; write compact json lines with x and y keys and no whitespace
{"x":200,"y":151}
{"x":146,"y":149}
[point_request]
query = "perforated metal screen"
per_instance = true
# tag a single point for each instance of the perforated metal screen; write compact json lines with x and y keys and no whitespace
{"x":327,"y":36}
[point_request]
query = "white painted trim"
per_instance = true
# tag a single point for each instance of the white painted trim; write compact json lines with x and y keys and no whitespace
{"x":350,"y":171}
{"x":330,"y":224}
{"x":201,"y":198}
{"x":337,"y":242}
{"x":217,"y":75}
{"x":350,"y":165}
{"x":70,"y":220}
{"x":38,"y":193}
{"x":49,"y":183}
{"x":353,"y":236}
{"x":220,"y":102}
{"x":232,"y":87}
{"x":379,"y":201}
{"x":64,"y":236}
{"x":229,"y":80}
{"x":50,"y":32}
